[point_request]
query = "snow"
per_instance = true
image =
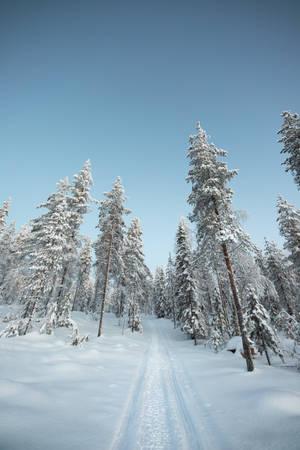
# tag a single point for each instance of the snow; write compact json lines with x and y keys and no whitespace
{"x":151,"y":391}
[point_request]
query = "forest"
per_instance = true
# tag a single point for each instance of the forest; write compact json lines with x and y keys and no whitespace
{"x":217,"y":285}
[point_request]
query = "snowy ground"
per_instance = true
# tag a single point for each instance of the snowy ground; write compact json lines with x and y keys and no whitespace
{"x":132,"y":391}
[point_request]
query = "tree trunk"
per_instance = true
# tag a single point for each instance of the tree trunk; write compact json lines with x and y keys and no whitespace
{"x":106,"y":279}
{"x":62,"y":285}
{"x":33,"y":308}
{"x":246,"y":346}
{"x":235,"y":319}
{"x":264,"y":344}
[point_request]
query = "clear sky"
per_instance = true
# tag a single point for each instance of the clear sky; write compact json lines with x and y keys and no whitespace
{"x":124,"y":83}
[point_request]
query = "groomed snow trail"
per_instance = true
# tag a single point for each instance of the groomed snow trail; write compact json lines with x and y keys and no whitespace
{"x":163,"y":410}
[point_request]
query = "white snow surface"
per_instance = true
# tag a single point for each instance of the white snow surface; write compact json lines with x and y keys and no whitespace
{"x":151,"y":391}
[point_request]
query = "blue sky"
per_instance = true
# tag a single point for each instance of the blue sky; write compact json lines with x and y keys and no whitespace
{"x":124,"y":83}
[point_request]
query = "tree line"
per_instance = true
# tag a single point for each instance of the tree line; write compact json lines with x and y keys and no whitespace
{"x":225,"y":285}
{"x":47,"y":266}
{"x":218,"y":284}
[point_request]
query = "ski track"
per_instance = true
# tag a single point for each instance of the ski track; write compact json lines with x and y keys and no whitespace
{"x":164,"y":410}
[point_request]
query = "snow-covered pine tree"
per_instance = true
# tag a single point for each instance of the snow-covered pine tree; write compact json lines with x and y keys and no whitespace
{"x":258,"y":325}
{"x":212,"y":212}
{"x":268,"y":297}
{"x":290,"y":132}
{"x":135,"y":273}
{"x":159,"y":292}
{"x":78,"y":199}
{"x":189,"y":311}
{"x":49,"y":243}
{"x":51,"y":319}
{"x":216,"y":338}
{"x":4,"y":213}
{"x":289,"y":227}
{"x":281,"y":274}
{"x":6,"y":240}
{"x":108,"y":247}
{"x":81,"y":298}
{"x":287,"y":323}
{"x":171,"y":288}
{"x":91,"y":307}
{"x":13,"y":284}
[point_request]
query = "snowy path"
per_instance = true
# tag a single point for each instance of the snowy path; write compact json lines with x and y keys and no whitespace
{"x":164,"y":409}
{"x":151,"y":391}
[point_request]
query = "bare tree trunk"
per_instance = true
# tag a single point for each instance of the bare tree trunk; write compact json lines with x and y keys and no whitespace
{"x":106,"y":280}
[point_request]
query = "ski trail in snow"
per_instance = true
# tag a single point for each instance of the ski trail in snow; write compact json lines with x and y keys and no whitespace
{"x":198,"y":418}
{"x":163,"y":411}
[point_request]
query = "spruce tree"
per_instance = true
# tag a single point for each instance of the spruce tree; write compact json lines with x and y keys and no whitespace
{"x":14,"y":282}
{"x":281,"y":274}
{"x":290,"y":132}
{"x":81,"y":298}
{"x":289,"y":227}
{"x":159,"y":292}
{"x":212,"y":212}
{"x":4,"y":213}
{"x":108,"y":247}
{"x":261,"y":333}
{"x":171,"y":288}
{"x":78,"y":199}
{"x":135,"y":273}
{"x":189,"y":311}
{"x":49,"y":243}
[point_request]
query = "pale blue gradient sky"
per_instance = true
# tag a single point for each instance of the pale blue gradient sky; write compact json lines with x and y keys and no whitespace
{"x":124,"y":83}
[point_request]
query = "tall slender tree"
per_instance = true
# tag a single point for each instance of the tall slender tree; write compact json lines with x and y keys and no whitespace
{"x":108,"y":247}
{"x":171,"y":288}
{"x":159,"y":292}
{"x":281,"y":274}
{"x":4,"y":213}
{"x":78,"y":200}
{"x":212,"y":212}
{"x":189,"y":312}
{"x":136,"y":272}
{"x":290,"y":132}
{"x":81,"y":297}
{"x":289,"y":227}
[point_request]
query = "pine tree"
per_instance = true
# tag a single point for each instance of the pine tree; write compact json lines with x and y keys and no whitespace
{"x":81,"y":298}
{"x":189,"y":312}
{"x":212,"y":212}
{"x":14,"y":282}
{"x":108,"y":247}
{"x":78,"y":199}
{"x":171,"y":288}
{"x":4,"y":213}
{"x":49,"y":243}
{"x":261,"y":333}
{"x":135,"y":273}
{"x":280,"y":273}
{"x":159,"y":292}
{"x":51,"y":319}
{"x":290,"y":132}
{"x":6,"y":241}
{"x":289,"y":227}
